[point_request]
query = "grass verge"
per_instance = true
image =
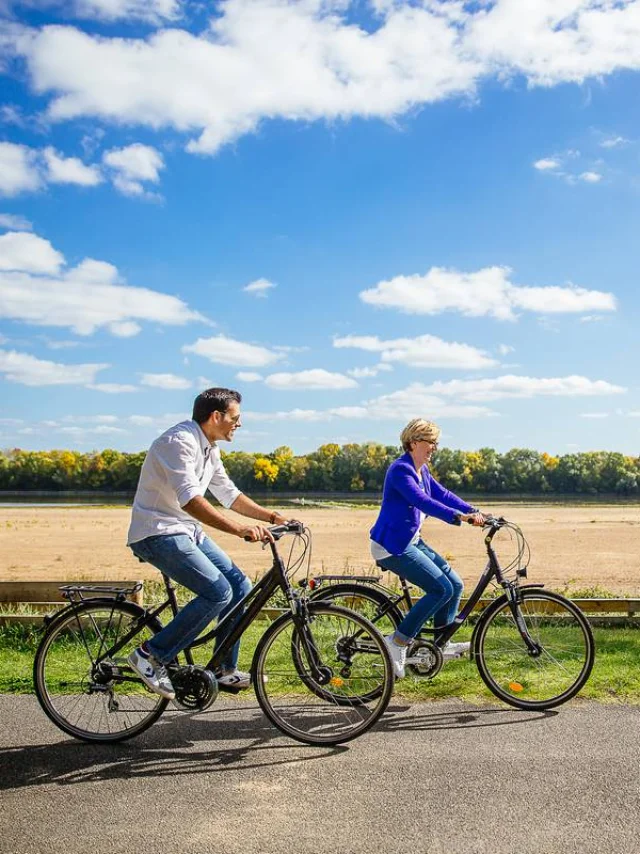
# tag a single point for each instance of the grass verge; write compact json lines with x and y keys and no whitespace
{"x":615,"y":676}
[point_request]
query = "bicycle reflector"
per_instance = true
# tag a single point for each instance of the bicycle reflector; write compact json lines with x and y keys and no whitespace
{"x":516,"y":687}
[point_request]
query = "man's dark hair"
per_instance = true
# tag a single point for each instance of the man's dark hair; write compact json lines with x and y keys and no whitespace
{"x":213,"y":400}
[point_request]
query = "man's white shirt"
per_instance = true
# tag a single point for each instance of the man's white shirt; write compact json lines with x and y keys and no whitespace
{"x":179,"y":465}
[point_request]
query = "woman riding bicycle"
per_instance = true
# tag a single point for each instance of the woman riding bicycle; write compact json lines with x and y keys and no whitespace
{"x":411,"y":494}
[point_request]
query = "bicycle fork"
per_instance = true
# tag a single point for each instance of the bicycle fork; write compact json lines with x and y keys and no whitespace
{"x":321,"y":673}
{"x":514,"y":599}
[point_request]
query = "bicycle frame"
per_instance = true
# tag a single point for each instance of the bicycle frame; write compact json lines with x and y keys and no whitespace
{"x":491,"y":571}
{"x":274,"y":579}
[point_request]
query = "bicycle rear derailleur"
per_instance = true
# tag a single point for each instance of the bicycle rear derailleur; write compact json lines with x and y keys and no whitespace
{"x":424,"y":659}
{"x":196,"y":687}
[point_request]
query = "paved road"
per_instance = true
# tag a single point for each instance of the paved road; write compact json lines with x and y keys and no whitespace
{"x":437,"y":778}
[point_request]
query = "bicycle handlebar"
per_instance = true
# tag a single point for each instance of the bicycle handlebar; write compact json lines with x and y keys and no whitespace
{"x":277,"y":531}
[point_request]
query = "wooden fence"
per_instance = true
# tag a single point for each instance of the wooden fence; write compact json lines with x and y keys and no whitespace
{"x":28,"y":602}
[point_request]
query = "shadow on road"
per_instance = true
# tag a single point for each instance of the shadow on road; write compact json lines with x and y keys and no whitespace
{"x":398,"y":718}
{"x":166,"y":750}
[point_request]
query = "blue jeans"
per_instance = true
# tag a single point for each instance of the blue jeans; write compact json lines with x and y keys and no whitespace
{"x":428,"y":570}
{"x":209,"y":573}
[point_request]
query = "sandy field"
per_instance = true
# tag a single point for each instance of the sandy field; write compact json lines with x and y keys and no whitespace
{"x":583,"y":546}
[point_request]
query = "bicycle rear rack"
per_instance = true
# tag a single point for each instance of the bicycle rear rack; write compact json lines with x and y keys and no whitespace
{"x":316,"y":580}
{"x":76,"y":592}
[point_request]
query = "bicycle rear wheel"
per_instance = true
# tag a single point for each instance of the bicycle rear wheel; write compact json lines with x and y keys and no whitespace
{"x":374,"y":604}
{"x":86,"y":690}
{"x":323,"y":703}
{"x":547,"y":676}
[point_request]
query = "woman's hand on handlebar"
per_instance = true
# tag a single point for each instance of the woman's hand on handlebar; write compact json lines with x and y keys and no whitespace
{"x":477,"y":519}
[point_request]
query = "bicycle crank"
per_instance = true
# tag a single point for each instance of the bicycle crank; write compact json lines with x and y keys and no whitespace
{"x":196,"y":688}
{"x":424,"y":659}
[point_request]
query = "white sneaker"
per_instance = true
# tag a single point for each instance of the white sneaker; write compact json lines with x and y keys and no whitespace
{"x":455,"y":650}
{"x":238,"y":680}
{"x":398,"y":655}
{"x":153,"y":673}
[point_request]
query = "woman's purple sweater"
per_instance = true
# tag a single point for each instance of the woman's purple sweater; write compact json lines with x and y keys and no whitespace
{"x":403,"y":499}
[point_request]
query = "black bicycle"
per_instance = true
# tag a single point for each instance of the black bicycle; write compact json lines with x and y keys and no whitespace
{"x":534,"y":649}
{"x":322,"y":674}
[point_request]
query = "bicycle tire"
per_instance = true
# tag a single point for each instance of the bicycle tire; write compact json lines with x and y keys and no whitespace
{"x":554,"y":674}
{"x":355,"y":597}
{"x":102,"y":702}
{"x":312,"y":716}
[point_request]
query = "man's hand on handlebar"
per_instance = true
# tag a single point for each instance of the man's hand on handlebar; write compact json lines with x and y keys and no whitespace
{"x":256,"y":534}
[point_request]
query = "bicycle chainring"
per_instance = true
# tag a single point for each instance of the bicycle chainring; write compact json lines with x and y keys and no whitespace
{"x":196,"y":688}
{"x":424,"y":659}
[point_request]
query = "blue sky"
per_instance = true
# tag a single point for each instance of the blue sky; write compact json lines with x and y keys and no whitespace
{"x":354,"y":213}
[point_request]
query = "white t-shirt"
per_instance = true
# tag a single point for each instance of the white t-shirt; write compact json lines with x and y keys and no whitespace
{"x":179,"y":465}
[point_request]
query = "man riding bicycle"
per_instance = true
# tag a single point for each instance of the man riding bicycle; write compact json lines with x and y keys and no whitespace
{"x":180,"y":466}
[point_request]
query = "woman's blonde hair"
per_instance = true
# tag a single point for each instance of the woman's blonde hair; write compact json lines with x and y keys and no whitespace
{"x":419,"y":430}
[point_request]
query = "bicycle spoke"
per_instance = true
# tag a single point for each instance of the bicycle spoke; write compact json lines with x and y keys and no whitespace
{"x":344,"y":701}
{"x":88,"y":699}
{"x":528,"y":678}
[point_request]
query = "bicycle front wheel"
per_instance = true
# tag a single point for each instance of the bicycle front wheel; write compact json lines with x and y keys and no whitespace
{"x":85,"y":686}
{"x":311,"y":680}
{"x":543,"y":677}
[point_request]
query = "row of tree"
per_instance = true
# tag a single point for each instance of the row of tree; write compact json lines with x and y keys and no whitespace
{"x":347,"y":468}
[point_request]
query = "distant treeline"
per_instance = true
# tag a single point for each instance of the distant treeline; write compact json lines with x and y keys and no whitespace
{"x":347,"y":468}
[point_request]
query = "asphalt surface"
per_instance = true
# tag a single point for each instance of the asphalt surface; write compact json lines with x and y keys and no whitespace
{"x":437,"y":778}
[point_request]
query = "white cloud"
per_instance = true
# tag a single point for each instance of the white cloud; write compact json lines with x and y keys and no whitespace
{"x":314,"y":379}
{"x":425,"y":351}
{"x":434,"y":401}
{"x":309,"y":60}
{"x":505,"y":349}
{"x":151,"y":11}
{"x":168,"y":382}
{"x":15,"y":222}
{"x":248,"y":376}
{"x":28,"y":370}
{"x":18,"y":169}
{"x":113,"y":388}
{"x":487,"y":292}
{"x":28,"y":253}
{"x":413,"y":401}
{"x":229,"y":351}
{"x":546,"y":164}
{"x":417,"y":400}
{"x":510,"y":386}
{"x":91,"y":419}
{"x":83,"y":298}
{"x":614,"y":142}
{"x":204,"y":382}
{"x":288,"y":415}
{"x":125,"y":329}
{"x":259,"y":287}
{"x":69,"y":170}
{"x":363,"y":373}
{"x":594,"y":415}
{"x":132,"y":165}
{"x":590,"y":177}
